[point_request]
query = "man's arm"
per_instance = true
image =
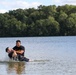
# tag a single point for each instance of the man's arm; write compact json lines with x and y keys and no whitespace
{"x":20,"y":51}
{"x":14,"y":54}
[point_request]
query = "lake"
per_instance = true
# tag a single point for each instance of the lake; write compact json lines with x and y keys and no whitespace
{"x":49,"y":55}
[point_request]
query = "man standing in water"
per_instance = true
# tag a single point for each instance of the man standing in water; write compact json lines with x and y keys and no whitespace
{"x":17,"y":52}
{"x":20,"y":50}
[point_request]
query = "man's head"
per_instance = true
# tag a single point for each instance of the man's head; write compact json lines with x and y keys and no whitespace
{"x":8,"y":50}
{"x":18,"y":43}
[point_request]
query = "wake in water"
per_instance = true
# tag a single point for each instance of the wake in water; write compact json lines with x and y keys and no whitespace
{"x":12,"y":61}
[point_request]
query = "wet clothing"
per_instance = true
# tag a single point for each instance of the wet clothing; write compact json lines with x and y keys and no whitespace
{"x":18,"y":49}
{"x":10,"y":54}
{"x":19,"y":57}
{"x":22,"y":58}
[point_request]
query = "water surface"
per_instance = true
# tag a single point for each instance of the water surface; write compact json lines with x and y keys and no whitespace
{"x":50,"y":55}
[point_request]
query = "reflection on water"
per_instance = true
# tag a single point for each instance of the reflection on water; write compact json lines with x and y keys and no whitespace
{"x":17,"y":67}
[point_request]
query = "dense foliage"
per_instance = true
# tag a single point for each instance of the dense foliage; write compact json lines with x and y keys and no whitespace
{"x":43,"y":21}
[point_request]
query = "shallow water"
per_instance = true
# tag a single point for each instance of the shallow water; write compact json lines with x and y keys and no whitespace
{"x":49,"y":55}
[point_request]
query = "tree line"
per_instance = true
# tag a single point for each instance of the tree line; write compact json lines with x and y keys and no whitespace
{"x":44,"y":21}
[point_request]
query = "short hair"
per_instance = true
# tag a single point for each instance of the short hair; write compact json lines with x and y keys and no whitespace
{"x":7,"y":49}
{"x":18,"y":41}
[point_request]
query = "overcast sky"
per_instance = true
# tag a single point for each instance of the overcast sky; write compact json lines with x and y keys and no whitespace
{"x":6,"y":5}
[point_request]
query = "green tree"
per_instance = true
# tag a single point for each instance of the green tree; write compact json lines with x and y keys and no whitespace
{"x":71,"y":24}
{"x":52,"y":26}
{"x":43,"y":21}
{"x":14,"y":27}
{"x":62,"y":21}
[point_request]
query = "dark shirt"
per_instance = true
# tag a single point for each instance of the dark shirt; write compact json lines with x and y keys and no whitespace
{"x":18,"y":49}
{"x":10,"y":55}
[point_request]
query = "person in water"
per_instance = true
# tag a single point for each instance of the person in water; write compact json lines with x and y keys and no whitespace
{"x":19,"y":48}
{"x":15,"y":55}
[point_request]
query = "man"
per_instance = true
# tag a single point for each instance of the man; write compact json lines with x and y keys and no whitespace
{"x":13,"y":55}
{"x":19,"y":48}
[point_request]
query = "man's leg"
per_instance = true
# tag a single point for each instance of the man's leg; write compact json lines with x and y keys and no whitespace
{"x":22,"y":58}
{"x":26,"y":59}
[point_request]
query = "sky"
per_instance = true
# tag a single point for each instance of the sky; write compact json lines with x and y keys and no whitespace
{"x":6,"y":5}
